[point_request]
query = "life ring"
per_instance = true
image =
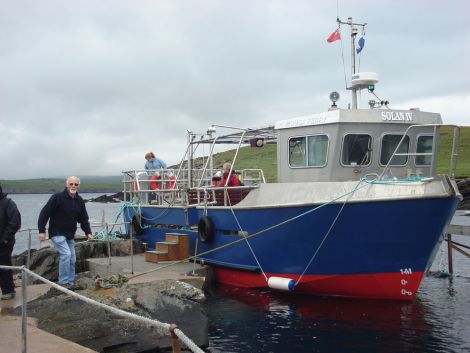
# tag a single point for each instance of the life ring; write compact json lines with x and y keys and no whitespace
{"x":154,"y":185}
{"x":172,"y":183}
{"x":135,"y":186}
{"x":206,"y":229}
{"x":136,"y":226}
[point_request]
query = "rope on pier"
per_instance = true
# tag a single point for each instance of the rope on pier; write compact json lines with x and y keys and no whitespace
{"x":162,"y":328}
{"x":102,"y":235}
{"x":110,"y":281}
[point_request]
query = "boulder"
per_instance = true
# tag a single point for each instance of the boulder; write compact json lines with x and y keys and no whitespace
{"x":118,"y":197}
{"x":45,"y":261}
{"x":464,"y":188}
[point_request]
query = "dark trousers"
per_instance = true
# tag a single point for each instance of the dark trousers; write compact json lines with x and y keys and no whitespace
{"x":6,"y":276}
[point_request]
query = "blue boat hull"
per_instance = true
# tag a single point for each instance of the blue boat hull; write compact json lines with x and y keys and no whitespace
{"x":378,"y":249}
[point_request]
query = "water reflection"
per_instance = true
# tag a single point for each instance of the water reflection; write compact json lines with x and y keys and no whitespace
{"x":270,"y":321}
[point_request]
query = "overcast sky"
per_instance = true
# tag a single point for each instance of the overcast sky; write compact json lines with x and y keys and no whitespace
{"x":88,"y":87}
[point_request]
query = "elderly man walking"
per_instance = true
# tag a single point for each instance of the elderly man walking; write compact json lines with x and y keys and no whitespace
{"x":63,"y":211}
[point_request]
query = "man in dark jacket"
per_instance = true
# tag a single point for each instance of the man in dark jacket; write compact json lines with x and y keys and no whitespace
{"x":63,"y":211}
{"x":10,"y":222}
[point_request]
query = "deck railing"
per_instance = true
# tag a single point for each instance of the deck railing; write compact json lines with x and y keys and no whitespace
{"x":168,"y":188}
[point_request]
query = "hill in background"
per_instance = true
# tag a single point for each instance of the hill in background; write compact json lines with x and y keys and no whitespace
{"x":101,"y":184}
{"x":248,"y":157}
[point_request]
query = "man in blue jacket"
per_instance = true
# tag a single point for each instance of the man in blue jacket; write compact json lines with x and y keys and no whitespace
{"x":63,"y":211}
{"x":10,"y":222}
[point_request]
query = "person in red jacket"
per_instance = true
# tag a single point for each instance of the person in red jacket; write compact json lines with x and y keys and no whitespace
{"x":231,"y":177}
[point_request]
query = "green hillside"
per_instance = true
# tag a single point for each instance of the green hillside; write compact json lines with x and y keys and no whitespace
{"x":262,"y":158}
{"x":463,"y":160}
{"x":111,"y":184}
{"x":265,"y":158}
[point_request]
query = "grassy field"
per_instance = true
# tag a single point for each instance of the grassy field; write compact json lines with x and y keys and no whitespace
{"x":263,"y":158}
{"x":463,"y":160}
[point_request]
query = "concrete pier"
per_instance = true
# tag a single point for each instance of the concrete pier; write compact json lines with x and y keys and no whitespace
{"x":39,"y":341}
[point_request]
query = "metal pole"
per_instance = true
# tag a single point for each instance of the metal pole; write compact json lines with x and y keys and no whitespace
{"x":109,"y":244}
{"x":434,"y":159}
{"x":175,"y":343}
{"x":131,"y":227}
{"x":195,"y":256}
{"x":190,"y":160}
{"x":351,"y":24}
{"x":28,"y":259}
{"x":455,"y":152}
{"x":449,"y":253}
{"x":24,"y":280}
{"x":353,"y":61}
{"x":353,"y":56}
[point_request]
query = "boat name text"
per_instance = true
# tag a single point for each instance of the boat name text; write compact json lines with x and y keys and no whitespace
{"x":397,"y":116}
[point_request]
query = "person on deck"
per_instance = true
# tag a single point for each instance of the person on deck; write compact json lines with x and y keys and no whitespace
{"x":231,"y":177}
{"x":10,"y":223}
{"x":154,"y":167}
{"x":63,"y":210}
{"x":153,"y":162}
{"x":216,"y":178}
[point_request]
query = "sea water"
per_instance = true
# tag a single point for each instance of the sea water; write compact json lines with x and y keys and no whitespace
{"x":30,"y":205}
{"x":246,"y":320}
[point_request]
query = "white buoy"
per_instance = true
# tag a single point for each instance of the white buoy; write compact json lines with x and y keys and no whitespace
{"x":281,"y":283}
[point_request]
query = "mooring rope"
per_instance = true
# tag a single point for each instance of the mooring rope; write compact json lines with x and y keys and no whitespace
{"x":249,"y":236}
{"x":365,"y":181}
{"x":103,"y":235}
{"x":244,"y":236}
{"x":328,"y":232}
{"x":115,"y":280}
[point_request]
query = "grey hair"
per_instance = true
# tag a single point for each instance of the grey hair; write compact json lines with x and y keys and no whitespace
{"x":70,"y":177}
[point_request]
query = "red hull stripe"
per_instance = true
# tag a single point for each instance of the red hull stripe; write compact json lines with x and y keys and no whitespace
{"x":400,"y":286}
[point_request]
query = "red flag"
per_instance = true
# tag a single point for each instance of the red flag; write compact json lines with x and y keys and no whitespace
{"x":334,"y":36}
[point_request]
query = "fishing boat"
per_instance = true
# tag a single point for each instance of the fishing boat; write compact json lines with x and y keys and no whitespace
{"x":358,"y":208}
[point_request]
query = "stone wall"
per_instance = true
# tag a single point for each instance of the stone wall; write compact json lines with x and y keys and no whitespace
{"x":45,"y":261}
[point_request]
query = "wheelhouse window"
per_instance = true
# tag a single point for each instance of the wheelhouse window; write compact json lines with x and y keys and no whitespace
{"x":297,"y":152}
{"x":308,"y":151}
{"x":389,"y":144}
{"x":424,"y":145}
{"x":356,"y":149}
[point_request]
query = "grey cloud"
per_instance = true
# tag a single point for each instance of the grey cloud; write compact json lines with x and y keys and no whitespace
{"x":88,"y":87}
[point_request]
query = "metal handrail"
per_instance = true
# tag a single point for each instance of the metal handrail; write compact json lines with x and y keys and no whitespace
{"x":434,"y":152}
{"x":178,"y":195}
{"x":164,"y":328}
{"x":104,"y":225}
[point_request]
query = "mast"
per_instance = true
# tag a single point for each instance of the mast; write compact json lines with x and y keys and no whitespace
{"x":353,"y":27}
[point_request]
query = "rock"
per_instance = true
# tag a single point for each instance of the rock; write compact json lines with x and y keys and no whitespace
{"x":118,"y":197}
{"x":464,"y":188}
{"x":167,"y":301}
{"x":45,"y":261}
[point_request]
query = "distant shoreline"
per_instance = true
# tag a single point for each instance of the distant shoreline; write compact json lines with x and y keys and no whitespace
{"x":51,"y":185}
{"x":51,"y":192}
